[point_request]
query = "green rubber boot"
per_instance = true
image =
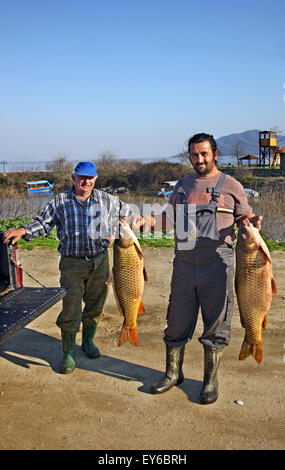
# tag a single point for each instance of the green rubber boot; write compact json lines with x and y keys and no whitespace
{"x":68,"y":345}
{"x":88,"y":333}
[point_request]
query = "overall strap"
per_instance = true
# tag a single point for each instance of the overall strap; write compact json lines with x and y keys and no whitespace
{"x":216,"y":192}
{"x":181,"y":191}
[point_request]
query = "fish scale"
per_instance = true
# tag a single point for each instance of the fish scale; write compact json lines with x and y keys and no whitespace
{"x":128,"y":281}
{"x":250,"y":291}
{"x":254,"y":286}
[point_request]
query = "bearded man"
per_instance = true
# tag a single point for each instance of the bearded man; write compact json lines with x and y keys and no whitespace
{"x":206,"y":204}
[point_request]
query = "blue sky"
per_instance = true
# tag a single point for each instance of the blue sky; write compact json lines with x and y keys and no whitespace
{"x":136,"y":78}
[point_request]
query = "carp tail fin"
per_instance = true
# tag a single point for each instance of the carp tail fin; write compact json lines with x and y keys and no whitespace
{"x":248,"y":349}
{"x":130,"y":334}
{"x":257,"y":352}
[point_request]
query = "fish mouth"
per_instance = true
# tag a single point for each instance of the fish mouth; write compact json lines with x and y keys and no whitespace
{"x":246,"y":222}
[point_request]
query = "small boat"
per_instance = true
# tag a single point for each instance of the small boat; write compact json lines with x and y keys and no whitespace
{"x":39,"y":187}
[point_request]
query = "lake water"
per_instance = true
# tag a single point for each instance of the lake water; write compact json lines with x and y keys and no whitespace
{"x":23,"y":166}
{"x":41,"y":165}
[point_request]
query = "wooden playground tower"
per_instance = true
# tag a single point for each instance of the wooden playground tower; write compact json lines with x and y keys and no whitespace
{"x":268,"y":149}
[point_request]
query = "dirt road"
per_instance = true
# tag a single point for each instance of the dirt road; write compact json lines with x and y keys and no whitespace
{"x":106,"y":403}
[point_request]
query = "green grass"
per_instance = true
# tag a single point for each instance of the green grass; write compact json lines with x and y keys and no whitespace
{"x":42,"y":242}
{"x":154,"y":240}
{"x":157,"y":239}
{"x":273,"y":245}
{"x":13,"y":223}
{"x":49,"y":242}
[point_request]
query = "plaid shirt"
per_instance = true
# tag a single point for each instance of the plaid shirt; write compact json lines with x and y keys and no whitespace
{"x":82,"y":228}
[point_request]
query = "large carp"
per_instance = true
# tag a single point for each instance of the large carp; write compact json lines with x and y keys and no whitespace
{"x":254,"y":285}
{"x":128,"y":276}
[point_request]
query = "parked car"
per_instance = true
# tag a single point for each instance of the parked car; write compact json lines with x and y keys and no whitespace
{"x":251,"y":192}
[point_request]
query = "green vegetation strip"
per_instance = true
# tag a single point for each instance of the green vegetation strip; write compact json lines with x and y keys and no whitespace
{"x":155,"y":240}
{"x":50,"y":242}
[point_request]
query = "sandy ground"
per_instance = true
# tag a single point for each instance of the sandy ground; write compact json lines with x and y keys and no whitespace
{"x":106,"y":403}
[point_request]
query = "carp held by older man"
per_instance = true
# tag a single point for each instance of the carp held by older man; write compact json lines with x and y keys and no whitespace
{"x":128,"y":276}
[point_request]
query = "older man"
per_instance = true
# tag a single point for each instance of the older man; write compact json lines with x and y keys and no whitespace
{"x":85,"y":219}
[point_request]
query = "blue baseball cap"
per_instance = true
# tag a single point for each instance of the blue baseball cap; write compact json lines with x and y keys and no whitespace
{"x":85,"y":169}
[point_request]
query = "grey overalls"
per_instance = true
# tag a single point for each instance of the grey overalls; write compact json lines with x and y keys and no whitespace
{"x":202,"y":276}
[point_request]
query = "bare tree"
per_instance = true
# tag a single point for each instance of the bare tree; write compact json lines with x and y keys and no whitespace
{"x":276,"y":129}
{"x":106,"y":162}
{"x":184,"y":156}
{"x":237,"y":150}
{"x":60,"y":164}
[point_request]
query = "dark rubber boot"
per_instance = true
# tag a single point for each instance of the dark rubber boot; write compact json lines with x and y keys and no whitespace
{"x":88,"y":333}
{"x":209,"y":393}
{"x":173,"y":375}
{"x":68,"y":345}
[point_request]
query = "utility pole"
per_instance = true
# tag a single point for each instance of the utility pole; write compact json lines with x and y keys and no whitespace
{"x":4,"y":163}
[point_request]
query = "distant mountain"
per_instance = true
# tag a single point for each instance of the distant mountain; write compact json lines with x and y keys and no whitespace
{"x":249,"y":140}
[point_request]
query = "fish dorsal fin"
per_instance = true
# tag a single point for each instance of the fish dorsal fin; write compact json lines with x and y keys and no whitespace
{"x":265,"y":250}
{"x":137,"y":245}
